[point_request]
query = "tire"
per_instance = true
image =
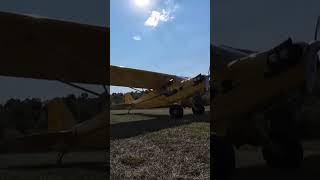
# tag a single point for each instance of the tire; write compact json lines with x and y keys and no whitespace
{"x":176,"y":111}
{"x":223,"y":159}
{"x":286,"y":150}
{"x":198,"y":110}
{"x":285,"y":155}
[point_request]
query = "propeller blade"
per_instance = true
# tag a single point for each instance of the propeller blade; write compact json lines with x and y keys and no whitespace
{"x":207,"y":82}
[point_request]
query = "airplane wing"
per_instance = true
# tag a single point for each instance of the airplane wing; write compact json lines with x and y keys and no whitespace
{"x":223,"y":55}
{"x":240,"y":50}
{"x":121,"y":76}
{"x":40,"y":48}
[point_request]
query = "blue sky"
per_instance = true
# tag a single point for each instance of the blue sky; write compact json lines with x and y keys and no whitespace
{"x":260,"y":25}
{"x":167,"y":36}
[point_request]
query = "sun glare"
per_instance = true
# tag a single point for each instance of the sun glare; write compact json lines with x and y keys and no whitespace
{"x":141,"y":3}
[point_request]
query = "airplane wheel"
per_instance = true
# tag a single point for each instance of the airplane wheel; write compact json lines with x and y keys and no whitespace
{"x":286,"y":150}
{"x":223,"y":161}
{"x":284,"y":155}
{"x":176,"y":111}
{"x":198,"y":110}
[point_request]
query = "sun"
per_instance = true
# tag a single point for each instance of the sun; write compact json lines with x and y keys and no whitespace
{"x":142,"y":3}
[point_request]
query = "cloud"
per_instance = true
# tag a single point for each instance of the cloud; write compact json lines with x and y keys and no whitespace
{"x":157,"y":17}
{"x":136,"y":38}
{"x":164,"y":15}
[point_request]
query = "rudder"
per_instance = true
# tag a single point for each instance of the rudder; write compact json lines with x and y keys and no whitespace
{"x":59,"y":116}
{"x":128,"y":98}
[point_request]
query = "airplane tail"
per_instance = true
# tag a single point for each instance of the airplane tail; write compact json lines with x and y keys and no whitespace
{"x":128,"y":98}
{"x":59,"y":116}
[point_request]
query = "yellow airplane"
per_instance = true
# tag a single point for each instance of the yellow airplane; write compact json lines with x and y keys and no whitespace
{"x":244,"y":85}
{"x":40,"y":48}
{"x":164,"y":90}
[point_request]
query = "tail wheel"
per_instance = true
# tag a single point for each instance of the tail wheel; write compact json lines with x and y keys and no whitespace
{"x":176,"y":111}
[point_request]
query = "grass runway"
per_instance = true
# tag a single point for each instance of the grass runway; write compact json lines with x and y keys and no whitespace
{"x":147,"y":144}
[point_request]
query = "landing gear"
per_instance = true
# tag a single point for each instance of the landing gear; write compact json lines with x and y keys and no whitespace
{"x":176,"y":111}
{"x":60,"y":156}
{"x":198,"y":110}
{"x":285,"y":149}
{"x":223,"y":158}
{"x":197,"y":104}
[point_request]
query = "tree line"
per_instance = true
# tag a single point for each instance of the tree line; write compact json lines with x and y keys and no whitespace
{"x":118,"y":98}
{"x":30,"y":115}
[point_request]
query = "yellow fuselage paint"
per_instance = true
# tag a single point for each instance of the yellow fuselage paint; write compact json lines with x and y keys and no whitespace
{"x":157,"y":98}
{"x":252,"y":91}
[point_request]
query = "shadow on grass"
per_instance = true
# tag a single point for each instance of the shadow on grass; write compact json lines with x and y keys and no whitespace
{"x":309,"y":170}
{"x":94,"y":166}
{"x":156,"y":123}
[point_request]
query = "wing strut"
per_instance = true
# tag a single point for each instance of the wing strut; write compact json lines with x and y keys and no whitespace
{"x":82,"y":88}
{"x":106,"y":91}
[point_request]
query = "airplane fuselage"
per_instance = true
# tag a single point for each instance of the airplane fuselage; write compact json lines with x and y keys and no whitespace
{"x":248,"y":86}
{"x":174,"y":92}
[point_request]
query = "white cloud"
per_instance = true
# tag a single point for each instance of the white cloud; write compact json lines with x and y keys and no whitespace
{"x":136,"y":38}
{"x":157,"y":17}
{"x":164,"y":15}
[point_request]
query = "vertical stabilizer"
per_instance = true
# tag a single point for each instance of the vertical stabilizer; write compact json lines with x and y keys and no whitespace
{"x":59,"y":116}
{"x":128,"y":98}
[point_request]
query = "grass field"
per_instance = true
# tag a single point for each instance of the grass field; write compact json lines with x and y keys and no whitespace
{"x":76,"y":165}
{"x":147,"y":144}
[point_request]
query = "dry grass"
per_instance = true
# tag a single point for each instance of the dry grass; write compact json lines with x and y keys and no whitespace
{"x":180,"y":152}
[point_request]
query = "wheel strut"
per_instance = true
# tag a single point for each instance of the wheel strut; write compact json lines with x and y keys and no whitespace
{"x":60,"y":156}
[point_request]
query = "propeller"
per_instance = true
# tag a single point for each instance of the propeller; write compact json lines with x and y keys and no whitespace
{"x":207,"y":79}
{"x":312,"y":60}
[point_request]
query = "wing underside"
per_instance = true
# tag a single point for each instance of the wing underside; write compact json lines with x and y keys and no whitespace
{"x":128,"y":77}
{"x":42,"y":48}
